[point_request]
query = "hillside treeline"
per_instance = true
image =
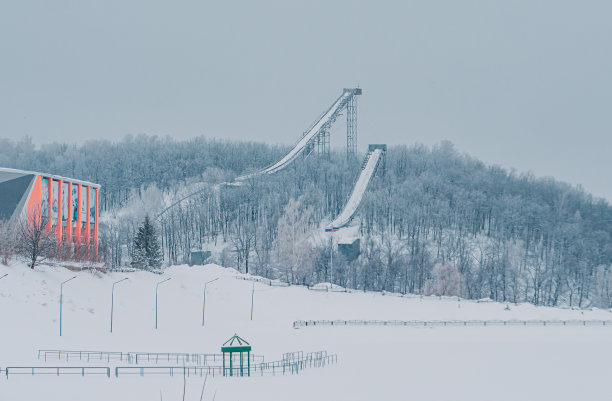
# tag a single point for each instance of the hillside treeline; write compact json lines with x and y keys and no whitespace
{"x":434,"y":221}
{"x":134,"y":162}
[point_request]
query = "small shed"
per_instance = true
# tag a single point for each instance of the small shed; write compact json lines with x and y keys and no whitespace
{"x":198,"y":257}
{"x":236,"y":345}
{"x":350,"y":251}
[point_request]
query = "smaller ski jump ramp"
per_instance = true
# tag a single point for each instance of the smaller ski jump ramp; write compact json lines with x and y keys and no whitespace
{"x":370,"y":164}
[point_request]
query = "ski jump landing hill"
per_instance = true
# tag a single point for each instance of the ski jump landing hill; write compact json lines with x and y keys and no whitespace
{"x":368,"y":170}
{"x":317,"y":137}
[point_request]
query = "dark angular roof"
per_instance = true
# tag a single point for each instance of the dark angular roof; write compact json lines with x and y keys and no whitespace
{"x":13,"y":190}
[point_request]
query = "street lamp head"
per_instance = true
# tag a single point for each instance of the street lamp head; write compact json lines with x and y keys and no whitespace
{"x":71,"y":278}
{"x":163,"y":281}
{"x":210,"y":281}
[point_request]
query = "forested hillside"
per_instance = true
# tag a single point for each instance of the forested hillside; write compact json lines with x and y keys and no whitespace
{"x":135,"y":162}
{"x":434,"y":221}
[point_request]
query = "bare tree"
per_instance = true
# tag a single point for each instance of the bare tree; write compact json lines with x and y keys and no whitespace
{"x":35,"y":242}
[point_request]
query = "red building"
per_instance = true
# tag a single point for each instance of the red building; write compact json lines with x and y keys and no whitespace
{"x":69,"y":206}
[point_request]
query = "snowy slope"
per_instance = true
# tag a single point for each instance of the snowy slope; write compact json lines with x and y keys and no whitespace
{"x":502,"y":363}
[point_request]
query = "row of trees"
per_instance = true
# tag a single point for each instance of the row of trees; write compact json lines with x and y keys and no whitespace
{"x":134,"y":162}
{"x":33,"y":242}
{"x":435,"y":222}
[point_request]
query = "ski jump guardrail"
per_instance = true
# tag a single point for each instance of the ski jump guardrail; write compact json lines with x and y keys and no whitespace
{"x":370,"y":165}
{"x":444,"y":323}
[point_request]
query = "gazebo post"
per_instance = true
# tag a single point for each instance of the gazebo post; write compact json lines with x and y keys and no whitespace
{"x":241,"y":371}
{"x":231,"y":370}
{"x":249,"y":362}
{"x":224,"y":364}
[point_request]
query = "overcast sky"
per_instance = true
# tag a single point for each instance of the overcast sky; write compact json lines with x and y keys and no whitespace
{"x":522,"y":84}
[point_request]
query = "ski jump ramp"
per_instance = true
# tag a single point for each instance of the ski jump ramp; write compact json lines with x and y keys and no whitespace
{"x":311,"y":134}
{"x":319,"y":127}
{"x":368,"y":171}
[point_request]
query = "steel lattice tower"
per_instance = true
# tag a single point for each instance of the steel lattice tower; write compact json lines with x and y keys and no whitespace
{"x":323,"y":145}
{"x":351,"y":127}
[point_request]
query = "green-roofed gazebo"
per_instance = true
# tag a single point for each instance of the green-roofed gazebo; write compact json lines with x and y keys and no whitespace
{"x":236,"y":345}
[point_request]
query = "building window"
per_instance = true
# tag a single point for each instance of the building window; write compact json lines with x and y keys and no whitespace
{"x":44,"y":207}
{"x":55,"y":203}
{"x":92,"y":204}
{"x":65,"y":207}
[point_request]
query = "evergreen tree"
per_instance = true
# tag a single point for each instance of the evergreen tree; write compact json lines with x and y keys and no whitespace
{"x":147,"y":252}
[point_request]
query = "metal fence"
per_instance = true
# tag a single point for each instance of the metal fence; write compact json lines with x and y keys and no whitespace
{"x":169,"y":370}
{"x":136,"y":357}
{"x":457,"y":323}
{"x":262,"y":280}
{"x":279,"y":283}
{"x":57,"y":370}
{"x":292,"y":363}
{"x":282,"y":367}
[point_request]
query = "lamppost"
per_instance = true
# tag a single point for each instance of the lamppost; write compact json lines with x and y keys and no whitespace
{"x":113,"y":301}
{"x":156,"y":287}
{"x":62,"y":300}
{"x":331,"y":260}
{"x":252,"y":296}
{"x":331,"y":232}
{"x":204,"y":298}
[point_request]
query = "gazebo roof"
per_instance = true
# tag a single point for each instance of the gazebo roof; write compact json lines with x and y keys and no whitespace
{"x":235,"y":344}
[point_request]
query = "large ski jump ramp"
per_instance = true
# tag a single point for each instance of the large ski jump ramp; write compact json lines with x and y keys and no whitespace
{"x":326,"y":119}
{"x":371,"y":162}
{"x":323,"y":122}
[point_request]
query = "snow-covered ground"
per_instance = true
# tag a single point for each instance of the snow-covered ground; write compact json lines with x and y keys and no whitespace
{"x":374,"y":363}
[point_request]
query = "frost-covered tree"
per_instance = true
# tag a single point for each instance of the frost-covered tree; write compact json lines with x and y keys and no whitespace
{"x":294,"y":251}
{"x":147,"y":252}
{"x":445,"y":280}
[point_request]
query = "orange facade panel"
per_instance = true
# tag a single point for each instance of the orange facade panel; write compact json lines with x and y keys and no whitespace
{"x":69,"y":206}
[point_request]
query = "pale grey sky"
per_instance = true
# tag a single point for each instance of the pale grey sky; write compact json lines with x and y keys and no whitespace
{"x":523,"y":84}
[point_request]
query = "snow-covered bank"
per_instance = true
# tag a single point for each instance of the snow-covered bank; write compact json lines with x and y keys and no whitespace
{"x":374,"y":362}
